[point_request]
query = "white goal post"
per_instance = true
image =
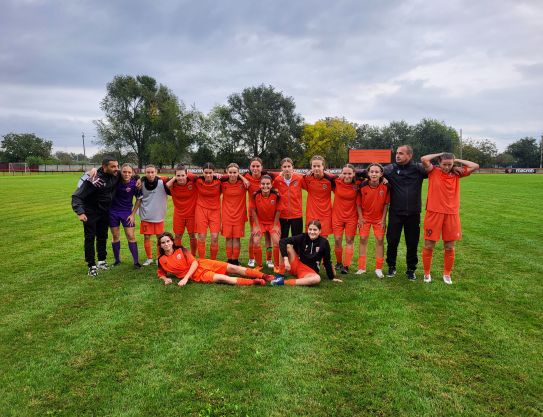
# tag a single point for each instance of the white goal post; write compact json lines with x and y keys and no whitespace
{"x":21,"y":167}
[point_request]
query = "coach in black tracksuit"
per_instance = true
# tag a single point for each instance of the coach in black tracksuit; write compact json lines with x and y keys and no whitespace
{"x":405,"y":184}
{"x":91,"y":202}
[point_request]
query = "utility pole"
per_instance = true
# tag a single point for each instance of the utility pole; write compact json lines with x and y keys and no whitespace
{"x":84,"y":152}
{"x":460,"y":143}
{"x":541,"y":152}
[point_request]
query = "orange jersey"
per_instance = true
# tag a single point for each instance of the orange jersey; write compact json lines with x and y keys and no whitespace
{"x":184,"y":199}
{"x":373,"y":201}
{"x":234,"y":204}
{"x":266,"y":207}
{"x":254,"y":184}
{"x":345,"y":198}
{"x":178,"y":263}
{"x":319,"y":198}
{"x":444,"y":191}
{"x":209,"y":194}
{"x":291,"y":195}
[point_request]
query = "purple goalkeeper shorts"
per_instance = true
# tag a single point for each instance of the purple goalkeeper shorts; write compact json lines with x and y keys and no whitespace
{"x":117,"y":217}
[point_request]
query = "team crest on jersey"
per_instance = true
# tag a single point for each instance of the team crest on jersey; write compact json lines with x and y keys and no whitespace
{"x":429,"y":232}
{"x":128,"y":189}
{"x":178,"y":256}
{"x":324,"y":186}
{"x":295,"y":182}
{"x":381,"y":193}
{"x":189,"y":186}
{"x":272,"y":201}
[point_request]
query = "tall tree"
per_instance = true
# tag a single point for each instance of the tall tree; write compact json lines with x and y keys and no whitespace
{"x":331,"y":138}
{"x":19,"y":147}
{"x":525,"y":151}
{"x":483,"y":152}
{"x":139,"y":112}
{"x":431,"y":136}
{"x":261,"y":122}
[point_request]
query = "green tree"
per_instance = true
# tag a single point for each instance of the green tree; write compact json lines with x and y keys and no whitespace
{"x":331,"y":138}
{"x":431,"y":136}
{"x":19,"y":147}
{"x":260,"y":122}
{"x":525,"y":151}
{"x":504,"y":159}
{"x":138,"y":112}
{"x":483,"y":152}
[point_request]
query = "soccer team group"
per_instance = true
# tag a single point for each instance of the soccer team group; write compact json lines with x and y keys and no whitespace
{"x":218,"y":203}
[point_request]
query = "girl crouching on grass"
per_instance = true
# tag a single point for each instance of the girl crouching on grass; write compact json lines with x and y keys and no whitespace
{"x":303,"y":257}
{"x":180,"y":262}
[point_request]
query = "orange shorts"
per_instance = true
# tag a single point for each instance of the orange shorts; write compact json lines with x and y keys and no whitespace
{"x":378,"y":230}
{"x":299,"y":269}
{"x":326,"y":225}
{"x":233,"y":230}
{"x":207,"y":268}
{"x":205,"y":218}
{"x":440,"y":224}
{"x":151,"y":228}
{"x":180,"y":223}
{"x":349,"y":227}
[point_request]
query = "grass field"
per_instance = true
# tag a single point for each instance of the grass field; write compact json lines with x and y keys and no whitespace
{"x":124,"y":345}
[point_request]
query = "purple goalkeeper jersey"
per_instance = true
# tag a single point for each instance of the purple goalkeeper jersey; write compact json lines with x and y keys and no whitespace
{"x":122,"y":202}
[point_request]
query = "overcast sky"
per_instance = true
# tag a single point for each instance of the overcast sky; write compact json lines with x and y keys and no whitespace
{"x":476,"y":65}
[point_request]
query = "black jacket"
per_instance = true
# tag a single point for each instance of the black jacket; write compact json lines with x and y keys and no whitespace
{"x":405,"y":185}
{"x":95,"y":197}
{"x":310,"y":252}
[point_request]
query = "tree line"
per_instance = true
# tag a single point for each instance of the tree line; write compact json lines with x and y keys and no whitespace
{"x":144,"y":122}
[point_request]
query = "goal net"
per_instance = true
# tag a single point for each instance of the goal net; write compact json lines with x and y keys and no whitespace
{"x":18,"y":167}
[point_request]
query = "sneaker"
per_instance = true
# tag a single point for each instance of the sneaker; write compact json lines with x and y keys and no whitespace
{"x":279,"y":280}
{"x":447,"y":279}
{"x":269,"y":264}
{"x":147,"y":262}
{"x":344,"y":270}
{"x":379,"y":273}
{"x":102,"y":265}
{"x":427,"y":278}
{"x":259,"y":281}
{"x":391,"y":271}
{"x":360,"y":272}
{"x":251,"y":263}
{"x":338,"y":266}
{"x":116,"y":263}
{"x":411,"y":275}
{"x":137,"y":265}
{"x":268,"y":277}
{"x":93,"y":271}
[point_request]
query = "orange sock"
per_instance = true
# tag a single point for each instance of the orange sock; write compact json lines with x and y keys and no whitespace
{"x":201,"y":249}
{"x":339,"y":254}
{"x":258,"y":255}
{"x":244,"y":281}
{"x":349,"y":251}
{"x":427,"y":260}
{"x":379,"y":263}
{"x":448,"y":261}
{"x":193,"y":246}
{"x":235,"y":252}
{"x":361,"y":262}
{"x":268,"y":254}
{"x":213,"y":250}
{"x":253,"y":273}
{"x":276,"y":255}
{"x":177,"y":241}
{"x":148,"y":250}
{"x":229,"y":252}
{"x":290,"y":282}
{"x":251,"y":250}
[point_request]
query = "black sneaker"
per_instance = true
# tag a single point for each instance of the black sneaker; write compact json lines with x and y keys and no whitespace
{"x":344,"y":270}
{"x":93,"y":271}
{"x":137,"y":265}
{"x":391,"y":271}
{"x":338,"y":266}
{"x":116,"y":263}
{"x":411,"y":275}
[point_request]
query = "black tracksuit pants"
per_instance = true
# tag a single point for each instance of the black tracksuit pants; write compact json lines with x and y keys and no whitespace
{"x":96,"y":229}
{"x":411,"y":227}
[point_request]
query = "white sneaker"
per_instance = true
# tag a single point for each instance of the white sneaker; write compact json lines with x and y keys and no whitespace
{"x":270,"y":264}
{"x":379,"y":273}
{"x":427,"y":278}
{"x":102,"y":265}
{"x":147,"y":262}
{"x":447,"y":279}
{"x":251,"y":263}
{"x":360,"y":272}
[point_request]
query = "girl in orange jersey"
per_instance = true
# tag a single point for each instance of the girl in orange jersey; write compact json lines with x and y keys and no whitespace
{"x":345,"y":216}
{"x":207,"y":213}
{"x":180,"y":262}
{"x":184,"y":194}
{"x":265,"y":212}
{"x":319,"y":195}
{"x":372,"y":213}
{"x":254,"y":175}
{"x":289,"y":185}
{"x":234,"y":211}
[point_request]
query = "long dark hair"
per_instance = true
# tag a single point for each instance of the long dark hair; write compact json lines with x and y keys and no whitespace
{"x":169,"y":235}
